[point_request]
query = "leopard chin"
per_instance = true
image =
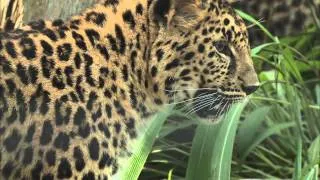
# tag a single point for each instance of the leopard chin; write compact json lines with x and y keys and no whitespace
{"x":212,"y":105}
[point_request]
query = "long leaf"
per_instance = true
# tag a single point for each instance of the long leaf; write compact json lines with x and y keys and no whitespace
{"x":143,"y":147}
{"x":249,"y":128}
{"x":212,"y":147}
{"x":265,"y":134}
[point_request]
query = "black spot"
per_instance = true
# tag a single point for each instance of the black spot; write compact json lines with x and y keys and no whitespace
{"x":121,"y":39}
{"x":183,"y":46}
{"x":115,"y":142}
{"x":3,"y":101}
{"x":68,"y":71}
{"x":93,"y":36}
{"x":11,"y":85}
{"x":125,"y":73}
{"x":128,"y":18}
{"x":37,"y":25}
{"x":84,"y":130}
{"x":189,"y":56}
{"x":168,"y":85}
{"x":80,"y":91}
{"x":185,"y":72}
{"x":88,"y":176}
{"x":48,"y":177}
{"x":64,"y":51}
{"x":64,"y":169}
{"x":130,"y":123}
{"x":50,"y":34}
{"x":111,"y":2}
{"x":78,"y":156}
{"x":97,"y":18}
{"x":75,"y":24}
{"x":159,"y":54}
{"x":28,"y":48}
{"x":33,"y":73}
{"x":201,"y":48}
{"x":62,"y":113}
{"x":94,"y":149}
{"x":113,"y":43}
{"x":11,"y":142}
{"x":175,"y":63}
{"x":133,"y":58}
{"x":57,"y":22}
{"x":77,"y":60}
{"x":44,"y":107}
{"x":51,"y":157}
{"x":28,"y":156}
{"x":119,"y":108}
{"x":80,"y":116}
{"x":109,"y":111}
{"x":30,"y":133}
{"x":7,"y":170}
{"x":58,"y":80}
{"x":79,"y":40}
{"x":139,"y":9}
{"x":158,"y":101}
{"x":103,"y":128}
{"x":139,"y":72}
{"x":13,"y":117}
{"x":22,"y":108}
{"x":117,"y":127}
{"x":114,"y":88}
{"x":22,"y":74}
{"x":103,"y":51}
{"x":36,"y":171}
{"x":62,"y":141}
{"x":47,"y":132}
{"x":6,"y":65}
{"x":105,"y":161}
{"x":226,"y":21}
{"x":47,"y":66}
{"x":88,"y":71}
{"x":92,"y":99}
{"x":155,"y":88}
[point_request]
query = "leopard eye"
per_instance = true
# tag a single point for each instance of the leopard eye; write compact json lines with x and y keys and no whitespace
{"x":222,"y":47}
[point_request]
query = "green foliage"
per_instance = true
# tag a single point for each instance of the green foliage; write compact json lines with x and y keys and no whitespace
{"x":212,"y":146}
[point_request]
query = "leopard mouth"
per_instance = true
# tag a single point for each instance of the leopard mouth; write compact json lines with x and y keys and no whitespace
{"x":212,"y":104}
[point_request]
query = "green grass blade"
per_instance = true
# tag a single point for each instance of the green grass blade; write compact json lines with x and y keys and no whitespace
{"x":249,"y":128}
{"x":143,"y":147}
{"x":298,"y":161}
{"x":317,"y":92}
{"x":314,"y":151}
{"x":264,"y":135}
{"x":254,"y":21}
{"x":212,"y":147}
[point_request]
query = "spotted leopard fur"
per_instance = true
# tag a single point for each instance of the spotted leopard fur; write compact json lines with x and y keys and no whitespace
{"x":74,"y":94}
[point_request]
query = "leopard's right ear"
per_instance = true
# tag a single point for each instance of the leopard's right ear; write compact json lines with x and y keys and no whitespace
{"x":178,"y":13}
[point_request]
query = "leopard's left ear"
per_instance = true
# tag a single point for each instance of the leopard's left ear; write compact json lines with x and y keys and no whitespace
{"x":176,"y":13}
{"x":232,"y":1}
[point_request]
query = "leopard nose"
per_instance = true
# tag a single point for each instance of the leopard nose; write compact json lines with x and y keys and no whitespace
{"x":249,"y":89}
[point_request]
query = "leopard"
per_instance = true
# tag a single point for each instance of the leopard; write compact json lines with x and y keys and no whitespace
{"x":75,"y":94}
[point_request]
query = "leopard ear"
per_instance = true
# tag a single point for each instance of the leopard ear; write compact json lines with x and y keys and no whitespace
{"x":232,"y":1}
{"x":178,"y":13}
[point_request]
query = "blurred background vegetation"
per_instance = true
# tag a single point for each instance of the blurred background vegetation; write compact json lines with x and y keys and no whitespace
{"x":277,"y":136}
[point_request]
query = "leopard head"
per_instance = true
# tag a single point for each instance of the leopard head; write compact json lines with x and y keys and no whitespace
{"x":200,"y":55}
